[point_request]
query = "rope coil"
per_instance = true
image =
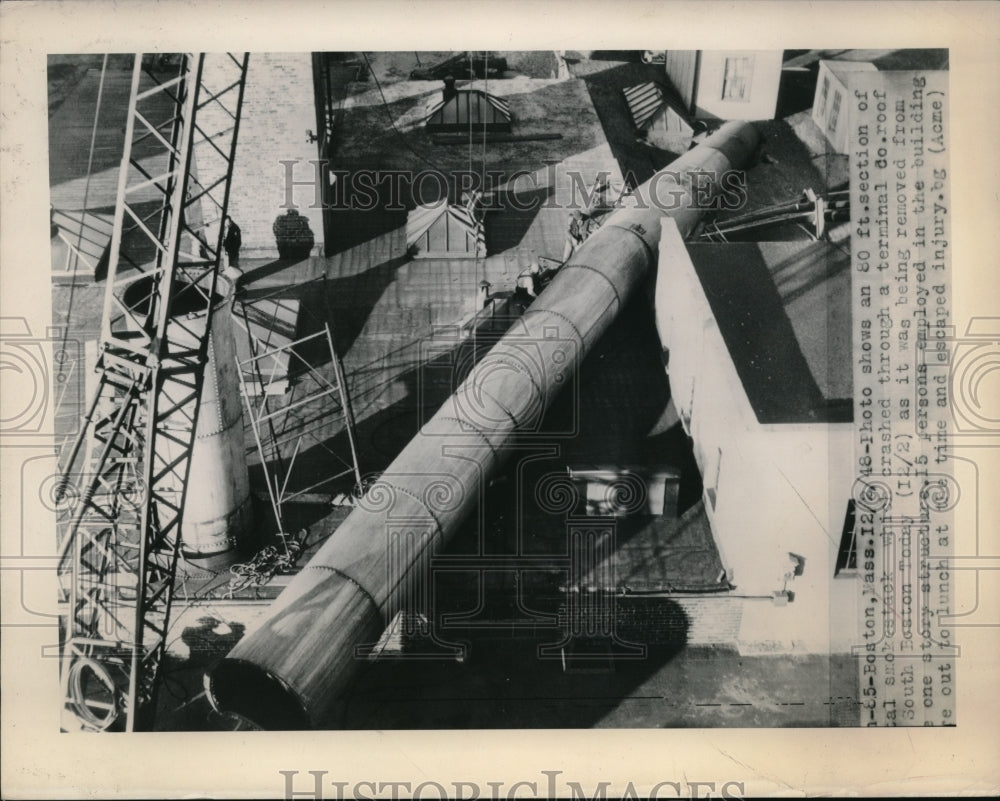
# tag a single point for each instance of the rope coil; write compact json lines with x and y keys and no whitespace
{"x":267,"y":562}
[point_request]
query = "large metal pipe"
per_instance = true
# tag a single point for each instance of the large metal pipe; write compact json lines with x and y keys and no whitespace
{"x":218,"y":514}
{"x":290,"y":672}
{"x":216,"y":522}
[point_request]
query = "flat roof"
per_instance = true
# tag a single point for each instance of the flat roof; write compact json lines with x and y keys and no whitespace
{"x":842,"y":68}
{"x":783,"y":309}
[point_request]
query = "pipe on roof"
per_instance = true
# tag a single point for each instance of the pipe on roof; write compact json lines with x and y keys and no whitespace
{"x":292,"y":670}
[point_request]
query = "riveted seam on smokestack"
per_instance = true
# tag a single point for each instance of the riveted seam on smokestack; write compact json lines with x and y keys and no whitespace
{"x":347,"y":577}
{"x":414,"y":497}
{"x":517,"y":365}
{"x":478,"y":389}
{"x":576,"y":266}
{"x":322,"y":666}
{"x":562,"y":317}
{"x":474,"y":430}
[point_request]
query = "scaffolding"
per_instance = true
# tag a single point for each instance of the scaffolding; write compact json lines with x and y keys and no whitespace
{"x":128,"y":467}
{"x":298,"y":404}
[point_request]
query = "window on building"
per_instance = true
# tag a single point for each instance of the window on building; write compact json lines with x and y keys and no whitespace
{"x":736,"y":79}
{"x":831,"y":124}
{"x":847,"y":556}
{"x":824,"y":92}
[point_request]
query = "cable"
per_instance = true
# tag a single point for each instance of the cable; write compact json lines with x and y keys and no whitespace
{"x":472,"y":71}
{"x":83,"y":213}
{"x":93,"y":139}
{"x":482,"y":184}
{"x":475,"y":266}
{"x":392,"y":122}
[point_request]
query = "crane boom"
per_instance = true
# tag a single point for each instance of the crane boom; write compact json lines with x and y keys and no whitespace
{"x":128,"y":468}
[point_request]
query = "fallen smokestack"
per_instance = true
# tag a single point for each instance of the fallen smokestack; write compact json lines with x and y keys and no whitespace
{"x":290,"y":672}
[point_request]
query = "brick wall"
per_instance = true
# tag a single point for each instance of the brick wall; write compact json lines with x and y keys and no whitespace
{"x":278,"y":109}
{"x":680,"y":619}
{"x":712,"y":619}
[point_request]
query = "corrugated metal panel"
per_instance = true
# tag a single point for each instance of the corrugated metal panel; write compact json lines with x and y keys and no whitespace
{"x":682,"y":68}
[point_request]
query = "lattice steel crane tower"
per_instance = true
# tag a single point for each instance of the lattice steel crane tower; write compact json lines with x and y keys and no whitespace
{"x":128,"y":467}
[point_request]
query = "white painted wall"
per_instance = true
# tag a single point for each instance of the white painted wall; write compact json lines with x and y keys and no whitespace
{"x":777,"y":489}
{"x":831,"y":116}
{"x":761,"y":96}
